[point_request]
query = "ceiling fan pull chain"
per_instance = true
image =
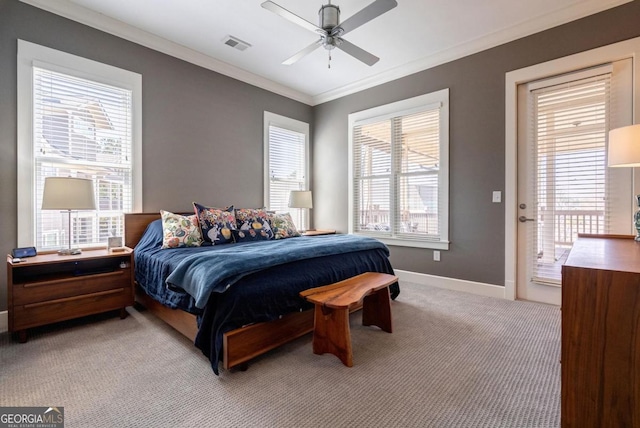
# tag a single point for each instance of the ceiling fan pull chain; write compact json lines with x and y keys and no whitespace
{"x":329,"y":63}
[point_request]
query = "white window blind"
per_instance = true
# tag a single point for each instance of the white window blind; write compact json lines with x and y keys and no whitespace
{"x":399,"y":184}
{"x":78,"y":118}
{"x":572,"y":182}
{"x":82,"y":129}
{"x":286,"y":163}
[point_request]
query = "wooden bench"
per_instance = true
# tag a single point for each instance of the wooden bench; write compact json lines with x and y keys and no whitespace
{"x":332,"y":305}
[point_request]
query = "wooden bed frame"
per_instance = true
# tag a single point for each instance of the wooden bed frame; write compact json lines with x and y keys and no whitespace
{"x":240,"y":345}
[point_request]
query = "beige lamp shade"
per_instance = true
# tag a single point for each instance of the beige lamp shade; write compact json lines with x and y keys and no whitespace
{"x":68,"y":193}
{"x":300,"y":199}
{"x":624,"y":146}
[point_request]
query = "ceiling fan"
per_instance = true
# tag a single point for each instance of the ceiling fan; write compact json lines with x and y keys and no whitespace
{"x":331,"y":29}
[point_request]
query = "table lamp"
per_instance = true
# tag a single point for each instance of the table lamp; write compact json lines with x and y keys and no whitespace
{"x":300,"y":199}
{"x":68,"y":194}
{"x":624,"y":150}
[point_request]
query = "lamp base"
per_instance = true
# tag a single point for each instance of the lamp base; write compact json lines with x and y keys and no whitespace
{"x":69,"y":252}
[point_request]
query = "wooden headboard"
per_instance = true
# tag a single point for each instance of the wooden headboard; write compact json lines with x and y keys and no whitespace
{"x":135,"y":225}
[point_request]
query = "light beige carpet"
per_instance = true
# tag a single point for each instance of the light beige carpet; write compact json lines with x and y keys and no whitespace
{"x":453,"y":360}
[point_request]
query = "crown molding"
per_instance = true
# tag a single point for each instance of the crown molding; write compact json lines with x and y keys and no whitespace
{"x":117,"y":28}
{"x":525,"y":28}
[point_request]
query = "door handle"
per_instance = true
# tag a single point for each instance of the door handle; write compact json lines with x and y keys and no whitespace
{"x":523,"y":219}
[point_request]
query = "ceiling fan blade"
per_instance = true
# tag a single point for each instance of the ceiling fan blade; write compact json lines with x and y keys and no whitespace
{"x":304,"y":52}
{"x":375,"y":9}
{"x":357,"y":53}
{"x":290,"y":16}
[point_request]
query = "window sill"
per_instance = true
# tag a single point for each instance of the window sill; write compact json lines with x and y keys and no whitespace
{"x":396,"y":242}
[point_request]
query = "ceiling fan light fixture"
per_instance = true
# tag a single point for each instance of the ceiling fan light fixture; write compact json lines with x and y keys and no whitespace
{"x":330,"y":42}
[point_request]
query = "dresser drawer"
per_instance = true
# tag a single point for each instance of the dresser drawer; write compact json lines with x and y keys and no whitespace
{"x":34,"y":292}
{"x":35,"y":314}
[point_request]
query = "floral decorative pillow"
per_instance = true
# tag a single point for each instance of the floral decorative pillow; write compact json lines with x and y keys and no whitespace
{"x":283,"y":226}
{"x":216,"y":225}
{"x":180,"y":231}
{"x":254,"y":223}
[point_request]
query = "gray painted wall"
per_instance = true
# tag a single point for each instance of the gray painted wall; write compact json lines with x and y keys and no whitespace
{"x":202,"y":131}
{"x":477,"y":133}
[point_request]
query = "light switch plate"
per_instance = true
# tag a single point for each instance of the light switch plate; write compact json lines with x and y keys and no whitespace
{"x":497,"y":196}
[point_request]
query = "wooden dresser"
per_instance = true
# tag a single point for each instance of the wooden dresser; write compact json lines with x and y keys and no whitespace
{"x":601,"y":333}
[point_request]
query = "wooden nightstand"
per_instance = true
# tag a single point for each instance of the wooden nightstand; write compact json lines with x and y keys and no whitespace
{"x":317,"y":232}
{"x":49,"y":288}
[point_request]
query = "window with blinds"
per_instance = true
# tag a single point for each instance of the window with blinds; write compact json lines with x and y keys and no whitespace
{"x":286,"y":161}
{"x":77,"y":127}
{"x":399,"y":171}
{"x":572,"y":182}
{"x":82,"y":129}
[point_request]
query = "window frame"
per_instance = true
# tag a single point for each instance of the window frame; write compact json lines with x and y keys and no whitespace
{"x":30,"y":55}
{"x":291,"y":125}
{"x":403,"y":108}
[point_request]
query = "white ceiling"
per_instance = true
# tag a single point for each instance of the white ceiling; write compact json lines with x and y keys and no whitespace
{"x":415,"y":35}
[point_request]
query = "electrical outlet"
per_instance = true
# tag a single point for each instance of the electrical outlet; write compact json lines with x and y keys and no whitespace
{"x":436,"y":256}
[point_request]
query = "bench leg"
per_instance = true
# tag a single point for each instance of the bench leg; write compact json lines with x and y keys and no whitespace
{"x":331,"y":333}
{"x":376,"y":309}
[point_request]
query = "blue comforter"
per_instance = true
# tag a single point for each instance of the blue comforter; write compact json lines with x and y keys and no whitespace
{"x":214,"y":272}
{"x":256,"y":295}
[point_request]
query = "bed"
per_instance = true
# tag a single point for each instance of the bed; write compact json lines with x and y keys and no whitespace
{"x":249,"y":311}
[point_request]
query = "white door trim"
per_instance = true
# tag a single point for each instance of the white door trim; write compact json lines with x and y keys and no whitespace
{"x":617,"y":51}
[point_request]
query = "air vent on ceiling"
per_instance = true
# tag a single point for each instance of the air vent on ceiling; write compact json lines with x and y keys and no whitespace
{"x":235,"y":43}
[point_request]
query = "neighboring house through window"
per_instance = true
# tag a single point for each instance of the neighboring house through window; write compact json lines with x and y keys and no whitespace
{"x":286,"y":148}
{"x":76,"y":118}
{"x":399,"y":172}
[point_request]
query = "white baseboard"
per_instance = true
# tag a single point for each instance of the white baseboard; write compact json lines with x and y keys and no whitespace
{"x":472,"y":287}
{"x":4,"y":321}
